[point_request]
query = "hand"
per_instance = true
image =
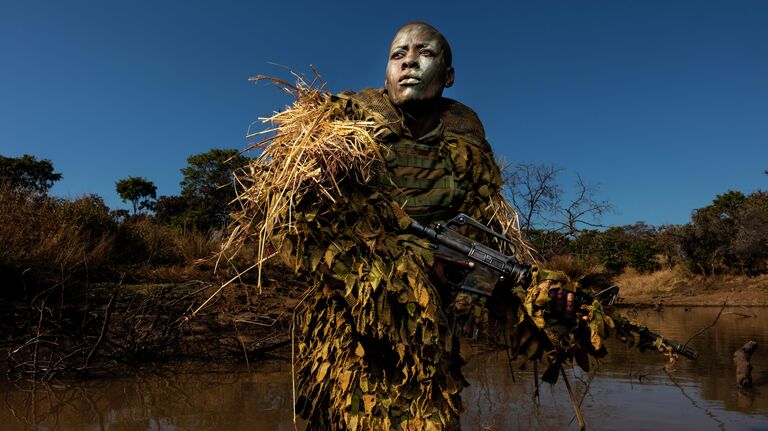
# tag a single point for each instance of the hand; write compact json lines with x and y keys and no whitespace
{"x":563,"y":304}
{"x":440,"y":271}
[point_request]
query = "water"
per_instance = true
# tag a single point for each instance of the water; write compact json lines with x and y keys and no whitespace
{"x":628,"y":391}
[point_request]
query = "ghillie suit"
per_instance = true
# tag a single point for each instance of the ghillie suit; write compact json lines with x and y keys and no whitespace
{"x":331,"y":195}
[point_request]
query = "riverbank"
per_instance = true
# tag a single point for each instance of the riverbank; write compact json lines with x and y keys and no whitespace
{"x":89,"y":328}
{"x":96,"y":328}
{"x":668,"y":287}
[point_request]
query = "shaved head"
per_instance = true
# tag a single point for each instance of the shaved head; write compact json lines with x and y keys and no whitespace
{"x":447,"y":54}
{"x":419,"y":65}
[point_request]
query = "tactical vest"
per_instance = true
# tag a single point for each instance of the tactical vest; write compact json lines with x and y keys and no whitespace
{"x":421,"y":175}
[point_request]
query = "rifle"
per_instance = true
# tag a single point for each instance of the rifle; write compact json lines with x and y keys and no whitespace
{"x":487,"y":268}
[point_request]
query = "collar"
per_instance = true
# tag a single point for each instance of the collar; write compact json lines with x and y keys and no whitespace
{"x":434,"y":135}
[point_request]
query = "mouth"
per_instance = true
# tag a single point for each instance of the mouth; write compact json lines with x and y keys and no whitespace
{"x":409,"y":80}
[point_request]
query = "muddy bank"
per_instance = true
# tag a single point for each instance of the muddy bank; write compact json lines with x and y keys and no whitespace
{"x":670,"y":288}
{"x":87,"y":330}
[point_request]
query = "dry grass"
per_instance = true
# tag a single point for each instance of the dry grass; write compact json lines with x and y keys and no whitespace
{"x":503,"y":214}
{"x":45,"y":241}
{"x":307,"y":150}
{"x":576,"y":269}
{"x":148,"y":242}
{"x":678,"y":287}
{"x":51,"y":238}
{"x":648,"y":286}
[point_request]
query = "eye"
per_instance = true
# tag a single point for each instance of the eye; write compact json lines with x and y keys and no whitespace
{"x":397,"y":55}
{"x":427,"y":53}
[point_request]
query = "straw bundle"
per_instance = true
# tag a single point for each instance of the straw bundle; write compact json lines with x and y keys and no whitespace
{"x":307,"y":151}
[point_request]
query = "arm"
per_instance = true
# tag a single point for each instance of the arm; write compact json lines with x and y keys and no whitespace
{"x":487,"y":269}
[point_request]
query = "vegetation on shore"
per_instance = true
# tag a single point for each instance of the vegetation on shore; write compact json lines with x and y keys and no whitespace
{"x":673,"y":288}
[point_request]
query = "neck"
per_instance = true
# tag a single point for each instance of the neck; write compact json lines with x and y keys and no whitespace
{"x":421,"y":118}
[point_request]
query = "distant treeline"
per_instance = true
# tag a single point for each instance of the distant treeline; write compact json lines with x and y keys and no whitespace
{"x":730,"y":236}
{"x":49,"y":240}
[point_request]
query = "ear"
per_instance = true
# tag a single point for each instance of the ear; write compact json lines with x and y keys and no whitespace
{"x":450,"y":76}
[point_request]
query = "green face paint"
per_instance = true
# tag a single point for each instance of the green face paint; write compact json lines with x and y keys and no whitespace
{"x":417,"y":70}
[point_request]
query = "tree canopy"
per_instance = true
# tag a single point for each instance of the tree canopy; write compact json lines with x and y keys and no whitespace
{"x":26,"y":174}
{"x":139,"y":191}
{"x":207,"y":187}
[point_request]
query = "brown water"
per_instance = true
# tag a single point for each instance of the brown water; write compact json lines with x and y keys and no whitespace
{"x":629,"y":391}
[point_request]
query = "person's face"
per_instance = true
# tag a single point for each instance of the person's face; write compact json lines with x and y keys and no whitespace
{"x":416,"y":70}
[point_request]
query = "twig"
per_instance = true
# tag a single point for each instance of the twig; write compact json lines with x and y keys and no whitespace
{"x":37,"y":338}
{"x":576,"y":408}
{"x":242,"y":344}
{"x":536,"y":382}
{"x":587,"y":385}
{"x":216,"y":293}
{"x":710,"y":325}
{"x":105,"y":324}
{"x":268,"y":325}
{"x":720,"y":424}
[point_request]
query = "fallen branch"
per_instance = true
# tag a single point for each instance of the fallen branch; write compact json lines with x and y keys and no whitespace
{"x":104,"y":326}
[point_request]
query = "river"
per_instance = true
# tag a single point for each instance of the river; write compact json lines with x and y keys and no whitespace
{"x":628,"y":390}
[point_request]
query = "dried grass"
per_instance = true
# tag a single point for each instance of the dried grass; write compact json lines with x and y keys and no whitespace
{"x":645,"y":286}
{"x":505,"y":216}
{"x":51,"y":237}
{"x":307,"y":150}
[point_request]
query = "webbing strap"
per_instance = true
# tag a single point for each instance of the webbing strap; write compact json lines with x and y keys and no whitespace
{"x":412,"y":161}
{"x":414,"y":202}
{"x":425,"y":183}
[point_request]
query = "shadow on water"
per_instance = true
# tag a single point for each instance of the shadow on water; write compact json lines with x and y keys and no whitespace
{"x":627,"y":390}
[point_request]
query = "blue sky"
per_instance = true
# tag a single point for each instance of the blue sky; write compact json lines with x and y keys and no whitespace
{"x":663,"y":104}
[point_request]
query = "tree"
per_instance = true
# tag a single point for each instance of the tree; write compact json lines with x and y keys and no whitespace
{"x":533,"y":192}
{"x":713,"y":228}
{"x":208,"y":186}
{"x":670,"y":244}
{"x":28,"y":175}
{"x":173,"y":211}
{"x":730,"y":235}
{"x":581,"y":211}
{"x":750,"y":244}
{"x":138,"y":191}
{"x":548,"y":216}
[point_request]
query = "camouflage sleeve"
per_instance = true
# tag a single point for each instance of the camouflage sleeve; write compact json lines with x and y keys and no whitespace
{"x":482,"y":180}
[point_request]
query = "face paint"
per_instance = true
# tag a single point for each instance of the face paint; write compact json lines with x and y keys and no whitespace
{"x":416,"y":70}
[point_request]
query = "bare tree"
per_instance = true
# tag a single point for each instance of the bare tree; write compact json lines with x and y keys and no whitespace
{"x":583,"y":211}
{"x":533,"y":192}
{"x":541,"y":203}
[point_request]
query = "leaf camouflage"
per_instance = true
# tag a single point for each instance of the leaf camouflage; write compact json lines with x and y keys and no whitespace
{"x":374,"y":345}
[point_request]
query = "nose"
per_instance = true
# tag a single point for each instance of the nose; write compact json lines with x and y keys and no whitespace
{"x":410,"y":61}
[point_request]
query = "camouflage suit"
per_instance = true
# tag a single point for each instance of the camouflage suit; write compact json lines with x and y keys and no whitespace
{"x":375,"y":351}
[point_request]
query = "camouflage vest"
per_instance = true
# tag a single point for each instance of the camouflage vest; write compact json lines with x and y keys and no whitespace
{"x":421,"y":174}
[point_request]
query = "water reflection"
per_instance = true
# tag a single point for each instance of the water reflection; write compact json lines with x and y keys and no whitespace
{"x":188,"y":398}
{"x":627,"y":390}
